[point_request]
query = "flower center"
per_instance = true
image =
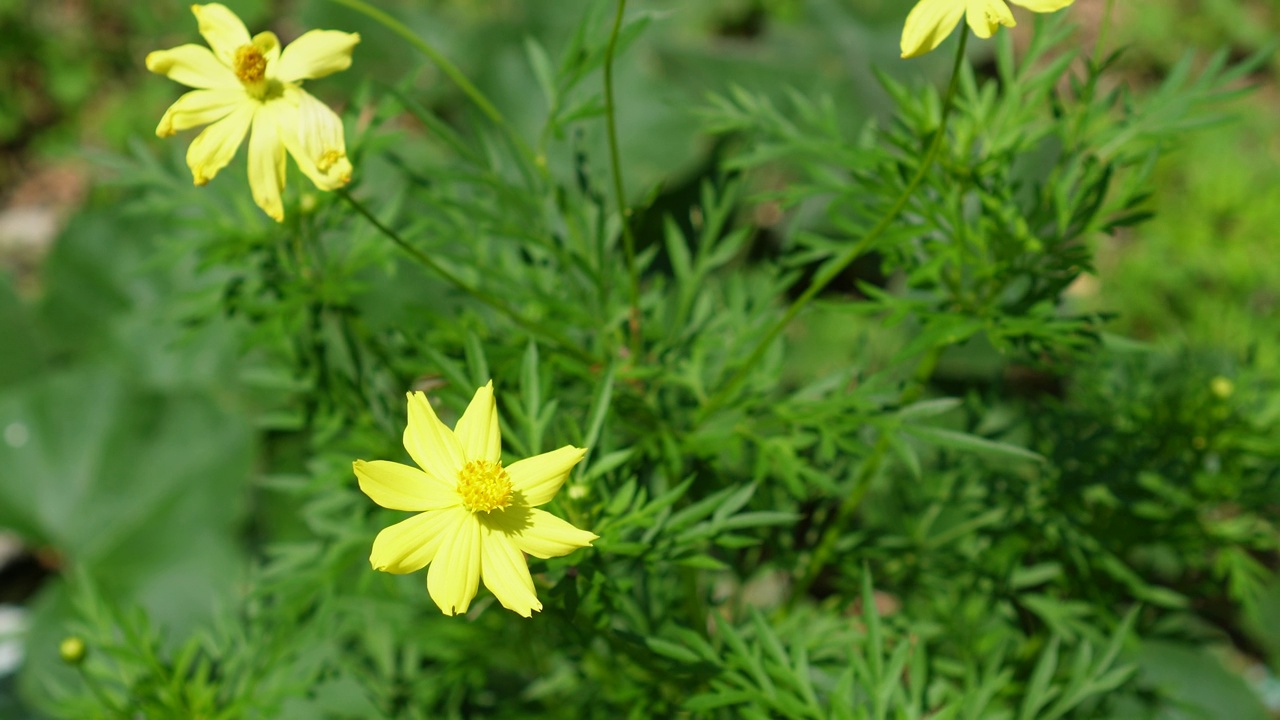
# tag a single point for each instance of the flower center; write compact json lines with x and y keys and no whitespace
{"x":327,"y":161}
{"x":484,"y":486}
{"x":250,"y":64}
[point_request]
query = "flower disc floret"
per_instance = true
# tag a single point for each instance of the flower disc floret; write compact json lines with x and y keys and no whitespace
{"x":250,"y":64}
{"x":484,"y":486}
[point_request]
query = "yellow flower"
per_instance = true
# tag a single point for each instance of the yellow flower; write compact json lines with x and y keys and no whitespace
{"x":475,"y":517}
{"x":249,"y":82}
{"x":931,"y":21}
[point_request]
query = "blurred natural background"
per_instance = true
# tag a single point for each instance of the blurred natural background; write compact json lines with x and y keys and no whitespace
{"x":131,"y":437}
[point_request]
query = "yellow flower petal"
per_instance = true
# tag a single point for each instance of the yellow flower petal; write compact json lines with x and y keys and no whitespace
{"x":986,"y":16}
{"x":430,"y":442}
{"x":199,"y":107}
{"x":477,"y":429}
{"x":316,"y":54}
{"x":269,"y":44}
{"x":454,"y":575}
{"x":222,"y":29}
{"x":506,"y":574}
{"x":193,"y":66}
{"x":1042,"y":6}
{"x":400,"y":487}
{"x":928,"y":24}
{"x":266,"y":163}
{"x":538,"y":479}
{"x":314,"y":138}
{"x":409,"y":545}
{"x":544,"y":535}
{"x":214,"y":147}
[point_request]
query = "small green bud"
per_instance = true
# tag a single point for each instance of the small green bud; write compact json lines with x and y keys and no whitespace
{"x":72,"y":649}
{"x":1222,"y":387}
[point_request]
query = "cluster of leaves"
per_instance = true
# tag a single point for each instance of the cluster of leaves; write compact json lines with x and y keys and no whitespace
{"x":1017,"y":540}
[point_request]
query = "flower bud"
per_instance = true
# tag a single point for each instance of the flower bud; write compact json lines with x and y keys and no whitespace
{"x":72,"y":649}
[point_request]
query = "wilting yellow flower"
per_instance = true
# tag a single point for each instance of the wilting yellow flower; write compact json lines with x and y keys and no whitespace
{"x":931,"y":21}
{"x":249,"y":82}
{"x":475,"y":518}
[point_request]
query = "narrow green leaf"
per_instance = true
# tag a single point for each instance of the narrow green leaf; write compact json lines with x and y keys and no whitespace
{"x":972,"y":443}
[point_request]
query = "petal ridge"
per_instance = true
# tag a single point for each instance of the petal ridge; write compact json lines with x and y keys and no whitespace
{"x":400,"y":487}
{"x":540,"y":477}
{"x":928,"y":24}
{"x":410,"y":545}
{"x":194,"y":66}
{"x":454,"y":575}
{"x":266,"y":163}
{"x":222,"y":29}
{"x":477,"y":429}
{"x":431,"y":444}
{"x":547,"y":536}
{"x":505,"y":572}
{"x":214,"y":147}
{"x":315,"y":54}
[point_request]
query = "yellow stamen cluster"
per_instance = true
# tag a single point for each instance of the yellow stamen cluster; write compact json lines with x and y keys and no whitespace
{"x":484,"y":486}
{"x":251,"y":64}
{"x":328,"y":159}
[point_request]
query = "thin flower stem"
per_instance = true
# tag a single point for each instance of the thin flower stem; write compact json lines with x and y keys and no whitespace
{"x":831,"y":535}
{"x":833,"y":269}
{"x":615,"y":162}
{"x":1100,"y":45}
{"x":489,"y":299}
{"x":451,"y":71}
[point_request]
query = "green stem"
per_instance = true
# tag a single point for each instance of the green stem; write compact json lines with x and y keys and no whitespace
{"x":624,"y":213}
{"x":489,"y":299}
{"x":862,"y":483}
{"x":834,"y":268}
{"x":1101,"y":44}
{"x":450,"y":70}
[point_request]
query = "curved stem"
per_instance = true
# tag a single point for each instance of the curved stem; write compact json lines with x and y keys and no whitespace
{"x":834,"y":268}
{"x":827,"y":544}
{"x":450,"y":70}
{"x":615,"y":163}
{"x":487,"y":298}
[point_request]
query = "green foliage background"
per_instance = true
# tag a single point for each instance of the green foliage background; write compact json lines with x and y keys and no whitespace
{"x":965,"y":482}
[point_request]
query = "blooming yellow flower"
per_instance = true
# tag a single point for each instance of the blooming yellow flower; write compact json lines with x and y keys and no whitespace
{"x":931,"y":21}
{"x":475,"y":517}
{"x":249,"y":82}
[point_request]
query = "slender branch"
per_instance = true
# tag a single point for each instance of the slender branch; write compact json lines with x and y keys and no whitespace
{"x":862,"y":483}
{"x":831,"y":270}
{"x":615,"y":161}
{"x":483,"y":296}
{"x":450,"y":70}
